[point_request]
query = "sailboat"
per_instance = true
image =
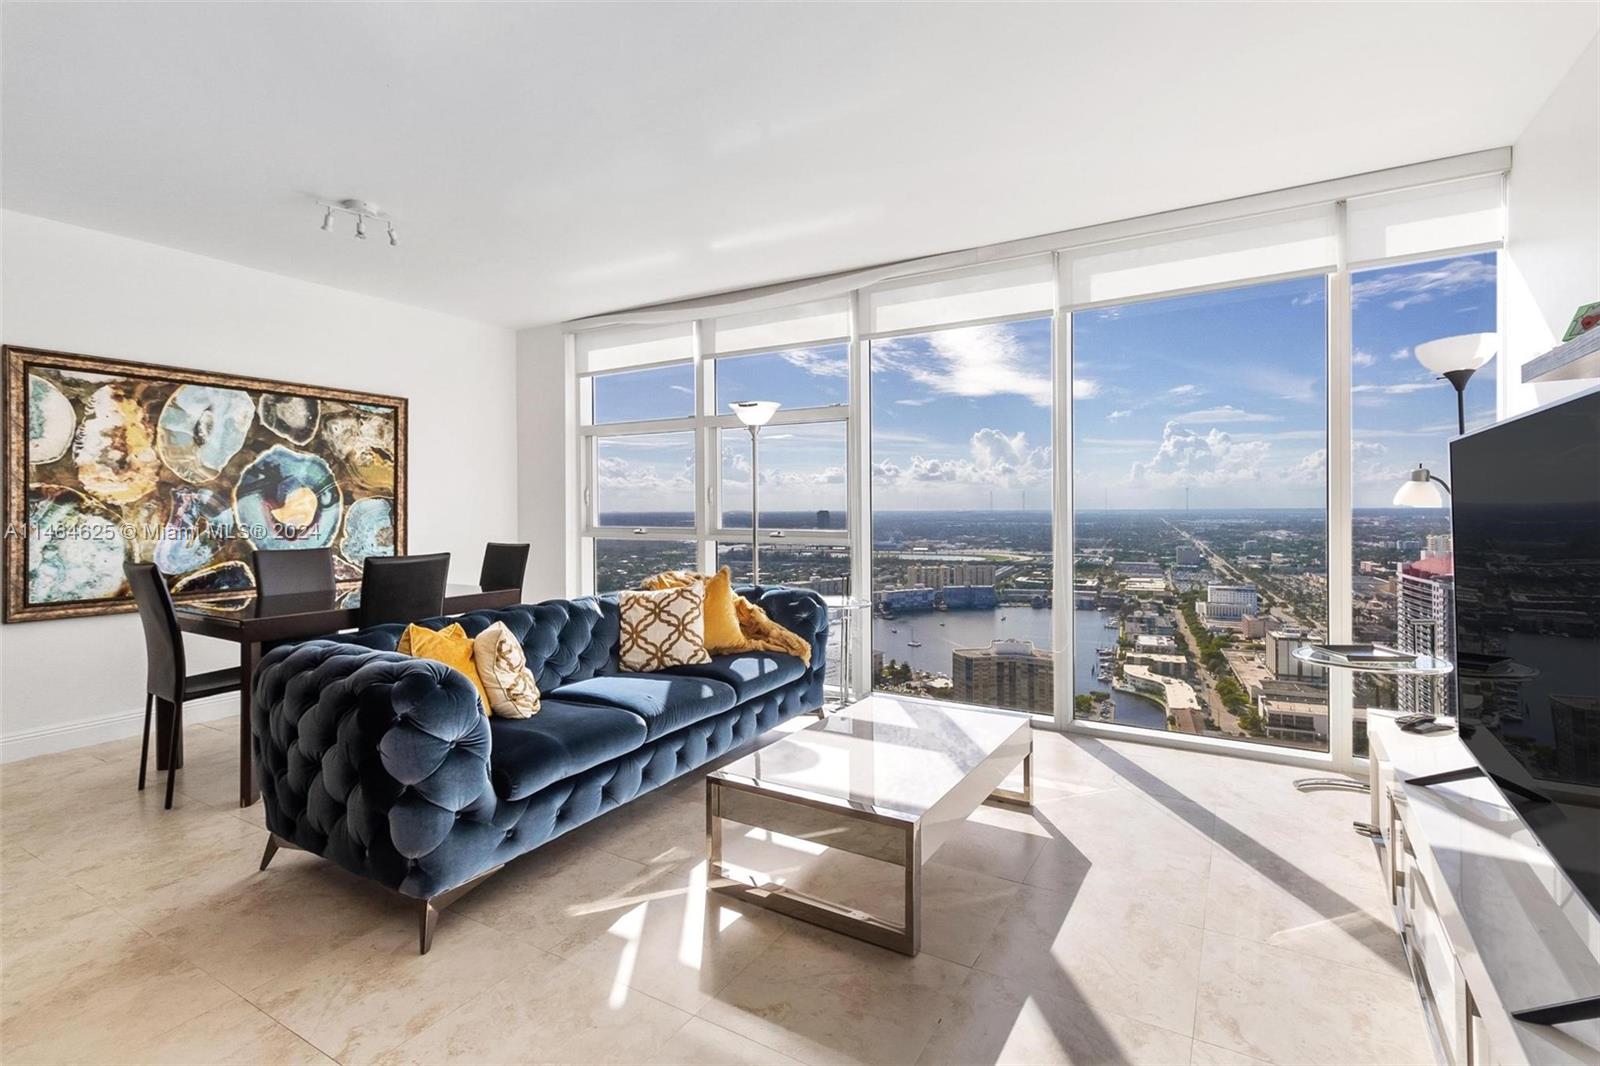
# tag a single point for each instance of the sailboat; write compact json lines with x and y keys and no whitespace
{"x":913,"y":642}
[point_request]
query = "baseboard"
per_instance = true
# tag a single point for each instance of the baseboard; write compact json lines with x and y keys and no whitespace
{"x":86,"y":732}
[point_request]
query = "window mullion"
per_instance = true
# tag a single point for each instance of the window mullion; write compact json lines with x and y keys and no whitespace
{"x":1340,"y":474}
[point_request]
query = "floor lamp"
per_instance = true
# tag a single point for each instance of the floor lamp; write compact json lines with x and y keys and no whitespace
{"x":754,"y":414}
{"x":1456,"y":359}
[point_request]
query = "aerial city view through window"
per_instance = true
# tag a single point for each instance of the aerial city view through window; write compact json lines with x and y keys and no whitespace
{"x":1200,"y":501}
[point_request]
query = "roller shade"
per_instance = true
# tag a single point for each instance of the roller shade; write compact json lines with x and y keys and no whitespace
{"x":988,"y":291}
{"x":1426,"y":220}
{"x":783,"y":327}
{"x":1302,"y":241}
{"x":621,"y":347}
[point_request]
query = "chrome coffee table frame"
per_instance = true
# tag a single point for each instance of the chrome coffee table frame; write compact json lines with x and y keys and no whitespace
{"x":886,"y":835}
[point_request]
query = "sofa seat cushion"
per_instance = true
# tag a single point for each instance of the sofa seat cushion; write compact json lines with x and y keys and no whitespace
{"x":666,"y":702}
{"x":563,"y":739}
{"x":751,"y":673}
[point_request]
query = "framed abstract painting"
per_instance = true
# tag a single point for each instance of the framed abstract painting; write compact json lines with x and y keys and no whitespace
{"x":109,"y":462}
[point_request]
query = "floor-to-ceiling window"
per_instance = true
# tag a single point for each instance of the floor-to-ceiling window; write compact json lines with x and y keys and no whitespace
{"x":1172,"y":379}
{"x":1200,"y":513}
{"x":962,"y":545}
{"x":1404,"y":415}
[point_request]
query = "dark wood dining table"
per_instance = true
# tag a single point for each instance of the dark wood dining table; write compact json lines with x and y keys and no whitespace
{"x":251,"y":621}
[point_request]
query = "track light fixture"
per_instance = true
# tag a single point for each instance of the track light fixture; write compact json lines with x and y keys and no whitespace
{"x":363,"y":211}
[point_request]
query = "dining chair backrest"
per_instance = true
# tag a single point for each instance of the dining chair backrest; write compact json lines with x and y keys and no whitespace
{"x":163,"y":641}
{"x":503,"y":566}
{"x":402,"y":588}
{"x":289,"y":571}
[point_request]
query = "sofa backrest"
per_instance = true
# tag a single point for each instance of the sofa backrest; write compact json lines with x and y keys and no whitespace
{"x":564,"y":640}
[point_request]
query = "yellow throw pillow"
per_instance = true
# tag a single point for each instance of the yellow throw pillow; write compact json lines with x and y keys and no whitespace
{"x":450,"y":646}
{"x":662,"y":629}
{"x":722,"y":621}
{"x":503,"y":668}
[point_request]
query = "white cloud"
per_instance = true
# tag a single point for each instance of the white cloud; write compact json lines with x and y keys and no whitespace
{"x":1183,"y":390}
{"x":1399,"y":389}
{"x":818,"y":362}
{"x":915,"y":403}
{"x":973,"y":361}
{"x":1115,"y":416}
{"x":994,"y":459}
{"x":1084,"y":388}
{"x":1404,"y":286}
{"x":1400,"y":354}
{"x":1225,"y":413}
{"x":1363,"y":359}
{"x":1187,"y":458}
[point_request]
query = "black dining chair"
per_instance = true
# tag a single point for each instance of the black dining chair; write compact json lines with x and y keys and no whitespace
{"x":503,"y":567}
{"x":402,"y":588}
{"x":166,"y":678}
{"x":288,"y":571}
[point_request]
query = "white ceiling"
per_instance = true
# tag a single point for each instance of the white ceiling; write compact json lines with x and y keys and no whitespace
{"x":547,"y":162}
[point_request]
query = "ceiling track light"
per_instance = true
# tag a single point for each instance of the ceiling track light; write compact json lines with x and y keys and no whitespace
{"x":363,"y":213}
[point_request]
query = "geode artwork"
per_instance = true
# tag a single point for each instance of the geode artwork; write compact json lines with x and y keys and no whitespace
{"x":109,"y":462}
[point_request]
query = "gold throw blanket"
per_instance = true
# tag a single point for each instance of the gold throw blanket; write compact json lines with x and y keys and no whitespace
{"x":759,"y":631}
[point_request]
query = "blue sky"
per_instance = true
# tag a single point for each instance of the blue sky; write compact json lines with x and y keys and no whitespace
{"x":1222,"y":393}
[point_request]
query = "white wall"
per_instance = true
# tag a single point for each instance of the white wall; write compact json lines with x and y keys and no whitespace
{"x":1552,"y":259}
{"x":72,"y":682}
{"x":546,"y":474}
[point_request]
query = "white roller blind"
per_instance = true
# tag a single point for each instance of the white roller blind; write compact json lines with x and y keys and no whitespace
{"x":987,"y":291}
{"x":1304,"y":240}
{"x":624,"y":346}
{"x":783,"y":327}
{"x":1421,"y":221}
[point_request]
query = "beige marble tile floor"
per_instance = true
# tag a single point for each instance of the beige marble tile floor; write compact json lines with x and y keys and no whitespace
{"x":1157,"y":906}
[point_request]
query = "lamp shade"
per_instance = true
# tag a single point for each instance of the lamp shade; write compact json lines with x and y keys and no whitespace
{"x":1418,"y":490}
{"x":1469,"y":351}
{"x":754,"y":412}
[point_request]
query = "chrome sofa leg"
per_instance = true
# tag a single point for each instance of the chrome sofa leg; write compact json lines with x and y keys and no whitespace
{"x":427,"y":919}
{"x":428,"y":909}
{"x":275,"y":843}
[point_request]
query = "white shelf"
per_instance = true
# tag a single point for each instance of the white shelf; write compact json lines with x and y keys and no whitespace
{"x":1571,"y":360}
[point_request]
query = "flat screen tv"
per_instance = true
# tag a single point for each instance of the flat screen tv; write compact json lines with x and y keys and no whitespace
{"x":1525,"y":513}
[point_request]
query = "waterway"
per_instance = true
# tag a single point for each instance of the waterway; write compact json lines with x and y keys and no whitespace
{"x":941,"y":632}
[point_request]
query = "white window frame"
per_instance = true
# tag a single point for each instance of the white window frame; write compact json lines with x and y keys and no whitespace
{"x":706,"y":422}
{"x":705,"y":425}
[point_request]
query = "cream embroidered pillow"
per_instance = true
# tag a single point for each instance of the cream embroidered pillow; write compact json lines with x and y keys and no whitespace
{"x":503,"y":668}
{"x":661,"y":629}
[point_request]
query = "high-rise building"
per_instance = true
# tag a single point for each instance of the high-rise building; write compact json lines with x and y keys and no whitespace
{"x":1280,"y":649}
{"x":1008,"y":673}
{"x":824,"y":520}
{"x":1187,"y":555}
{"x":1230,"y":603}
{"x":939,"y":575}
{"x":1425,"y":625}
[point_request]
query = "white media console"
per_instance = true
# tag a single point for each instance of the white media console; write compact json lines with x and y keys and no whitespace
{"x":1491,"y":926}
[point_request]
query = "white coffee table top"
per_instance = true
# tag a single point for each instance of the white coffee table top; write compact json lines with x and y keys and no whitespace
{"x":887,"y":755}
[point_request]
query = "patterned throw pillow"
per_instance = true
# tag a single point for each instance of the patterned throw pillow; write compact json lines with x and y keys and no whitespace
{"x":503,"y":668}
{"x":662,"y":629}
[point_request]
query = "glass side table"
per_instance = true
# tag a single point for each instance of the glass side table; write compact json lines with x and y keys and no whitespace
{"x":846,"y":614}
{"x":1365,"y":659}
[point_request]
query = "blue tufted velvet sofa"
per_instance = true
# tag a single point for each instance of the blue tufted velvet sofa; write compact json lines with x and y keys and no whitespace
{"x":384,"y":764}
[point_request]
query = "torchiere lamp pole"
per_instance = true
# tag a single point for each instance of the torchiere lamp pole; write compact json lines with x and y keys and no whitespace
{"x":754,"y":414}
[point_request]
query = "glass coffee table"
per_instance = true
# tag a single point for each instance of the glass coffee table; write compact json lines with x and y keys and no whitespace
{"x":886,"y":778}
